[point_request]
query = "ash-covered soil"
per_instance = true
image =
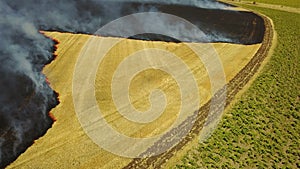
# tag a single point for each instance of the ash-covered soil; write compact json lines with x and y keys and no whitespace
{"x":239,"y":27}
{"x":220,"y":25}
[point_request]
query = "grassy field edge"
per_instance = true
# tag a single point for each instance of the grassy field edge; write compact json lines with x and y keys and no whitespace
{"x":233,"y":87}
{"x":261,"y":128}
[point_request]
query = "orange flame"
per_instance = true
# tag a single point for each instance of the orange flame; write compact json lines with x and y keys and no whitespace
{"x":52,"y":116}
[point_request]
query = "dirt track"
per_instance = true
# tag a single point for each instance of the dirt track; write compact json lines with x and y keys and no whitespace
{"x":236,"y":84}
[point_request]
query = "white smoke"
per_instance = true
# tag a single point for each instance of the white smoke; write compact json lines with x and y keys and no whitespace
{"x":209,"y":4}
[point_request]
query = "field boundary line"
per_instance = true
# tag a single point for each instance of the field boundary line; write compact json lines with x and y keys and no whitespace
{"x":233,"y":87}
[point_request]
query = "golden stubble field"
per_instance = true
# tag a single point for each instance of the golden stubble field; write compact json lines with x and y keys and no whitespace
{"x":66,"y":145}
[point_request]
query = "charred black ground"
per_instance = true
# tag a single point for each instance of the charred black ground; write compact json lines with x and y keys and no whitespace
{"x":220,"y":25}
{"x":28,"y":110}
{"x":237,"y":27}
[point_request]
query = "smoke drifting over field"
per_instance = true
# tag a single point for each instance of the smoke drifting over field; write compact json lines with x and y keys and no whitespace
{"x":25,"y":97}
{"x":196,"y":3}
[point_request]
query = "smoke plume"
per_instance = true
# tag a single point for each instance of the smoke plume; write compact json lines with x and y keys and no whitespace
{"x":211,"y":4}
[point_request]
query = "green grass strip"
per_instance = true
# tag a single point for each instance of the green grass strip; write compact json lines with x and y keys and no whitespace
{"x":262,"y":130}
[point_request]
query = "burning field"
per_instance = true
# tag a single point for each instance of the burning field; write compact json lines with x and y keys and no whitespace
{"x":47,"y":39}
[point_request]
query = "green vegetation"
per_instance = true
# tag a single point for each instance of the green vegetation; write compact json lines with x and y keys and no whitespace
{"x":291,"y":3}
{"x":262,"y":130}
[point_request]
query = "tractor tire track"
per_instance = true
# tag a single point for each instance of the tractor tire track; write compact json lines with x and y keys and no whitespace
{"x":232,"y":88}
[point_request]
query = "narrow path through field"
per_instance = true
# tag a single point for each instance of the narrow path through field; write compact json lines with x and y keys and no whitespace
{"x":233,"y":87}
